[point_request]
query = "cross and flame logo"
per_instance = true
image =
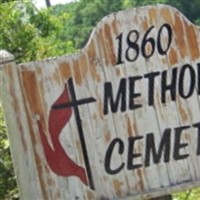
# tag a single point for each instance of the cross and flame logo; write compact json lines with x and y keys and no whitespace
{"x":58,"y":160}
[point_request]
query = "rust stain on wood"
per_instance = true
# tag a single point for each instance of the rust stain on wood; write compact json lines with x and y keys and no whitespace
{"x":179,"y":32}
{"x":166,"y":14}
{"x":65,"y":71}
{"x":127,"y":183}
{"x":129,"y":127}
{"x":77,"y":73}
{"x":22,"y":136}
{"x":100,"y":108}
{"x":102,"y":47}
{"x":91,"y":50}
{"x":148,"y":49}
{"x":182,"y":110}
{"x":158,"y":103}
{"x":47,"y":169}
{"x":83,"y":65}
{"x":109,"y":44}
{"x":29,"y":82}
{"x":31,"y":92}
{"x":50,"y":182}
{"x":114,"y":26}
{"x":39,"y":70}
{"x":38,"y":160}
{"x":152,"y":15}
{"x":117,"y":185}
{"x":78,"y":147}
{"x":145,"y":24}
{"x":135,"y":129}
{"x":55,"y":76}
{"x":107,"y":136}
{"x":173,"y":59}
{"x":90,"y":195}
{"x":92,"y":57}
{"x":193,"y":44}
{"x":135,"y":19}
{"x":140,"y":184}
{"x":39,"y":164}
{"x":19,"y":123}
{"x":58,"y":195}
{"x":117,"y":71}
{"x":187,"y":137}
{"x":163,"y":61}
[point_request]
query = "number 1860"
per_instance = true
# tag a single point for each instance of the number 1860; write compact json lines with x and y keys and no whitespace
{"x":133,"y":46}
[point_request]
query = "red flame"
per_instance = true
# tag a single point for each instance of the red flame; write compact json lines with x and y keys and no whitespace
{"x":56,"y":157}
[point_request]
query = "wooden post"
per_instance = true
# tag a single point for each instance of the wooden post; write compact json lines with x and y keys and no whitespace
{"x":48,"y":3}
{"x":5,"y":57}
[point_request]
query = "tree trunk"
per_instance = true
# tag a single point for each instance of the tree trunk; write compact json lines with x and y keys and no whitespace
{"x":48,"y":3}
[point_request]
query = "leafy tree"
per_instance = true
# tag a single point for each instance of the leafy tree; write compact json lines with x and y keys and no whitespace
{"x":188,"y":195}
{"x":83,"y":16}
{"x":11,"y":30}
{"x":30,"y":34}
{"x":8,"y":186}
{"x":190,"y":9}
{"x":137,"y":3}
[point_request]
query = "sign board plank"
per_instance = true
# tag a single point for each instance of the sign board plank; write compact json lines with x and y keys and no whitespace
{"x":119,"y":120}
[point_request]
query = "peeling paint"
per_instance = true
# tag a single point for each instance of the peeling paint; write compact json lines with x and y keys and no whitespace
{"x":117,"y":185}
{"x":65,"y":72}
{"x":192,"y":43}
{"x":173,"y":57}
{"x":179,"y":33}
{"x":109,"y":44}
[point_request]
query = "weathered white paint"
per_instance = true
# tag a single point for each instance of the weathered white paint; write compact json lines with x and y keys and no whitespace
{"x":28,"y":91}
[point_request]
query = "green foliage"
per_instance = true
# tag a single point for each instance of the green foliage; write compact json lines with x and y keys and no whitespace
{"x":82,"y":18}
{"x":190,"y":9}
{"x":13,"y":27}
{"x":30,"y":34}
{"x":8,"y":187}
{"x":188,"y":195}
{"x":137,"y":3}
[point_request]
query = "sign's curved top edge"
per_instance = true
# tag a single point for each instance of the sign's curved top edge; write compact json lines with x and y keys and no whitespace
{"x":106,"y":18}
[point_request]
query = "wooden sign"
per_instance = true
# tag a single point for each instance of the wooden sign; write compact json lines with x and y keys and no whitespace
{"x":121,"y":119}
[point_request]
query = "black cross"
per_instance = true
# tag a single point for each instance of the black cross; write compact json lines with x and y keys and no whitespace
{"x":75,"y":103}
